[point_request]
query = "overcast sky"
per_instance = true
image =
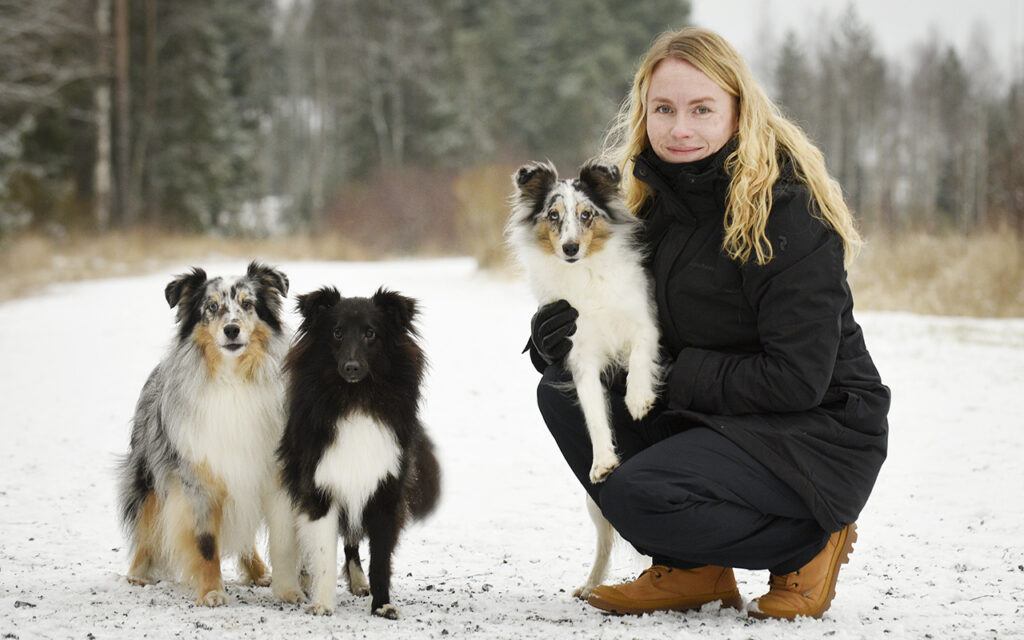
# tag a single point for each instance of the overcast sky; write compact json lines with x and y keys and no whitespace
{"x":897,"y":24}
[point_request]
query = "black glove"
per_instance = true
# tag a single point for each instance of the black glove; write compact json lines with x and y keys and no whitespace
{"x":550,"y":329}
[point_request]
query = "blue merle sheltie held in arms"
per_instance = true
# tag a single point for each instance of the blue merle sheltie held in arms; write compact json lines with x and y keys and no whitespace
{"x":578,"y":243}
{"x":357,"y":461}
{"x":201,"y":477}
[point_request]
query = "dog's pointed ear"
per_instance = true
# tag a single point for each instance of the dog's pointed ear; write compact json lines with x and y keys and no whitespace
{"x":402,"y":309}
{"x":603,"y":178}
{"x":534,"y":179}
{"x":269,"y":277}
{"x":311,"y":304}
{"x":184,"y":285}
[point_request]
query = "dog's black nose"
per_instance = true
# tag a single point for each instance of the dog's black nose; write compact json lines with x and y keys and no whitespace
{"x":570,"y":248}
{"x":353,"y":368}
{"x":231,"y":331}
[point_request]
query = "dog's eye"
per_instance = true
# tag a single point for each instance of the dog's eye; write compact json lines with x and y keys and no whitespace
{"x":338,"y":333}
{"x":247,"y":305}
{"x":212,"y":307}
{"x":552,"y":216}
{"x":586,"y":215}
{"x":370,"y":334}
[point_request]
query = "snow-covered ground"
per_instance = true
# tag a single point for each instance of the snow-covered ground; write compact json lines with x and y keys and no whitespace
{"x":939,"y":556}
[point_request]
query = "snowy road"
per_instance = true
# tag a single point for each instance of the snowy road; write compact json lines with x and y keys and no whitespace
{"x":940,"y":552}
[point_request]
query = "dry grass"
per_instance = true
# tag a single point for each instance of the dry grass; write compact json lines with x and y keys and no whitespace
{"x":982,"y":275}
{"x":30,"y":260}
{"x":483,"y":196}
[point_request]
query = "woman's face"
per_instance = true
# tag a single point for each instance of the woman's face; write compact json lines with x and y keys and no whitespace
{"x":689,"y":116}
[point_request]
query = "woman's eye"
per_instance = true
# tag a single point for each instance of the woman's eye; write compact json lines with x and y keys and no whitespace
{"x":212,"y":307}
{"x":662,"y":108}
{"x":370,"y":334}
{"x":702,"y":110}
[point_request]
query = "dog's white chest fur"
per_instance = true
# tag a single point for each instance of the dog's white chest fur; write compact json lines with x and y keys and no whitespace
{"x":363,"y":454}
{"x":233,"y":430}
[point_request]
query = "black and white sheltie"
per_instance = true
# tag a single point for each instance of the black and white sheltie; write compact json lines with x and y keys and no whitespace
{"x":577,"y":242}
{"x":201,"y":477}
{"x":356,"y":458}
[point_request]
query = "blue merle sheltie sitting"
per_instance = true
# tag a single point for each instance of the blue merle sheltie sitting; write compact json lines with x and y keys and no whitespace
{"x":201,"y":476}
{"x":357,"y":461}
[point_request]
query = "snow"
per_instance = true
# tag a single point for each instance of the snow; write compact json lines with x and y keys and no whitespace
{"x":938,"y":557}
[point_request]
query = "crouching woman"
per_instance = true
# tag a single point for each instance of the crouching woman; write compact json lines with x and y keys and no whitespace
{"x":771,"y":427}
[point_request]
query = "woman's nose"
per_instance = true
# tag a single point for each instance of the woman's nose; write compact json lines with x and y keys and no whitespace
{"x":681,"y":129}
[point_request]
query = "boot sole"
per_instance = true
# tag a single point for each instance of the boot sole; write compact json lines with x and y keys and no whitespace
{"x":845,"y":549}
{"x":731,"y":600}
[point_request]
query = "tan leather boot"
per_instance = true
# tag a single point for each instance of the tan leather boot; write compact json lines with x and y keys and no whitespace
{"x":663,"y":588}
{"x":809,"y":590}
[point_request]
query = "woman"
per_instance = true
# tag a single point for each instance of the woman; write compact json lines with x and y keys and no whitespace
{"x":771,"y":428}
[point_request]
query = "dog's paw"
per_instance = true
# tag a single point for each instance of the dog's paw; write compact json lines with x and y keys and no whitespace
{"x":358,"y":585}
{"x":603,"y":466}
{"x":262,"y":581}
{"x":140,"y":581}
{"x":639,"y":400}
{"x":306,"y":581}
{"x":388,"y":611}
{"x":584,"y":591}
{"x":213,"y":598}
{"x":320,"y":609}
{"x":293,"y":595}
{"x":359,"y":588}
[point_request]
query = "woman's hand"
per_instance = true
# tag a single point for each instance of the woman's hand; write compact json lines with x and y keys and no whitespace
{"x":550,"y":329}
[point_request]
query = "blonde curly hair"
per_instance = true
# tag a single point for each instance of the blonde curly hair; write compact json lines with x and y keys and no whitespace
{"x":763,"y":135}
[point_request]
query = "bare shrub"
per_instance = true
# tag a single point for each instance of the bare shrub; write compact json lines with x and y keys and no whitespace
{"x":483,"y":194}
{"x":398,"y":212}
{"x":946,"y":274}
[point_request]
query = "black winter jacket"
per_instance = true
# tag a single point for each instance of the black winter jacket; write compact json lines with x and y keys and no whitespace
{"x":769,"y":356}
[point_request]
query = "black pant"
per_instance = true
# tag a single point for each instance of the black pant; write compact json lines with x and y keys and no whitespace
{"x":685,"y":495}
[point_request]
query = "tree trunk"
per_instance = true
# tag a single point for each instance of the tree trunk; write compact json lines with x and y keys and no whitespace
{"x":319,"y":144}
{"x":141,"y":186}
{"x":126,"y":205}
{"x":101,"y":98}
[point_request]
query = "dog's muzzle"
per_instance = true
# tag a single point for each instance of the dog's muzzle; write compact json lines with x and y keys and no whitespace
{"x":352,"y":371}
{"x":231,"y":332}
{"x":571,"y":251}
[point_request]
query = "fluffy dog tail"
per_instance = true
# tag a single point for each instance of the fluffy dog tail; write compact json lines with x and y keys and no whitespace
{"x":424,"y":480}
{"x":136,"y":482}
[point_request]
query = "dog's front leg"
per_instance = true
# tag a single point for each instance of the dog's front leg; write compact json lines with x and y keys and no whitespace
{"x":594,"y":404}
{"x":320,"y":541}
{"x":382,"y":527}
{"x":194,"y":511}
{"x":284,"y":555}
{"x":644,"y":373}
